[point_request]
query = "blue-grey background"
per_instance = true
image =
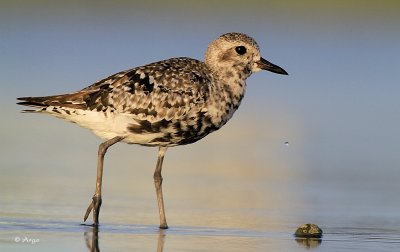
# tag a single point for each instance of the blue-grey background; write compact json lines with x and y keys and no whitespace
{"x":240,"y":188}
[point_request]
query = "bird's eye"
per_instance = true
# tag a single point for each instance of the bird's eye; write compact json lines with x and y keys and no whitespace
{"x":241,"y":50}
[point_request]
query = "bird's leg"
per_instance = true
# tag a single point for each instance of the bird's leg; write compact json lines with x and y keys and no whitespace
{"x":158,"y":182}
{"x":96,"y":200}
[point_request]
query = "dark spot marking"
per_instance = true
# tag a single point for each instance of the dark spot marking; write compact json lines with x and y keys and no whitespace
{"x":247,"y":69}
{"x":131,"y":85}
{"x":166,"y":104}
{"x":196,"y":78}
{"x":144,"y":82}
{"x":147,"y":127}
{"x":104,"y":98}
{"x":147,"y":112}
{"x":56,"y":110}
{"x":160,"y":125}
{"x":177,"y":126}
{"x":106,"y":87}
{"x":200,"y":120}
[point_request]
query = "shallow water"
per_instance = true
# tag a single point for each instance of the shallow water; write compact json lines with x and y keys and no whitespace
{"x":41,"y":235}
{"x":53,"y":221}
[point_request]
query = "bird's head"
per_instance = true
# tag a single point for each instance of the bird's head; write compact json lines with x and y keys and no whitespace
{"x":238,"y":52}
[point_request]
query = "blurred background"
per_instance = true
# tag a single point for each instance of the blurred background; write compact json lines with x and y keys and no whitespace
{"x":338,"y":111}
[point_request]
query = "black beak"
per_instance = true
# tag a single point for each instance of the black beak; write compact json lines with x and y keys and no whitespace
{"x":266,"y":65}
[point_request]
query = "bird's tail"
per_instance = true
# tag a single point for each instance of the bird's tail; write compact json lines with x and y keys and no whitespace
{"x":36,"y":102}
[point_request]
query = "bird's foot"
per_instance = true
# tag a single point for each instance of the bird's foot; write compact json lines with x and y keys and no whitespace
{"x":95,"y":206}
{"x":163,"y":226}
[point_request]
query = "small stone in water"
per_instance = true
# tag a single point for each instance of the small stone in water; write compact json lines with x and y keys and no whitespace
{"x":308,"y":231}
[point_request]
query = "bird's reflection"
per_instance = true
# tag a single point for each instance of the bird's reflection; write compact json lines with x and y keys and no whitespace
{"x":92,"y":239}
{"x":161,"y":240}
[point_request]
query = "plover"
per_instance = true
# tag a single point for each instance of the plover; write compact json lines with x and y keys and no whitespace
{"x":172,"y":102}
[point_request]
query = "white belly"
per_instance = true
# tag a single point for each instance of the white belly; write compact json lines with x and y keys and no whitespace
{"x":106,"y":125}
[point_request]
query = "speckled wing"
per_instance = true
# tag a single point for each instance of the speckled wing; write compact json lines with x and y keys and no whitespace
{"x":163,"y":90}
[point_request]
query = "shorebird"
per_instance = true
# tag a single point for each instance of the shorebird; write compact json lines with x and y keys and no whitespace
{"x":172,"y":102}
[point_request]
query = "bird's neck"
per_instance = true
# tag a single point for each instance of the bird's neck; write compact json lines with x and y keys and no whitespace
{"x":227,"y":93}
